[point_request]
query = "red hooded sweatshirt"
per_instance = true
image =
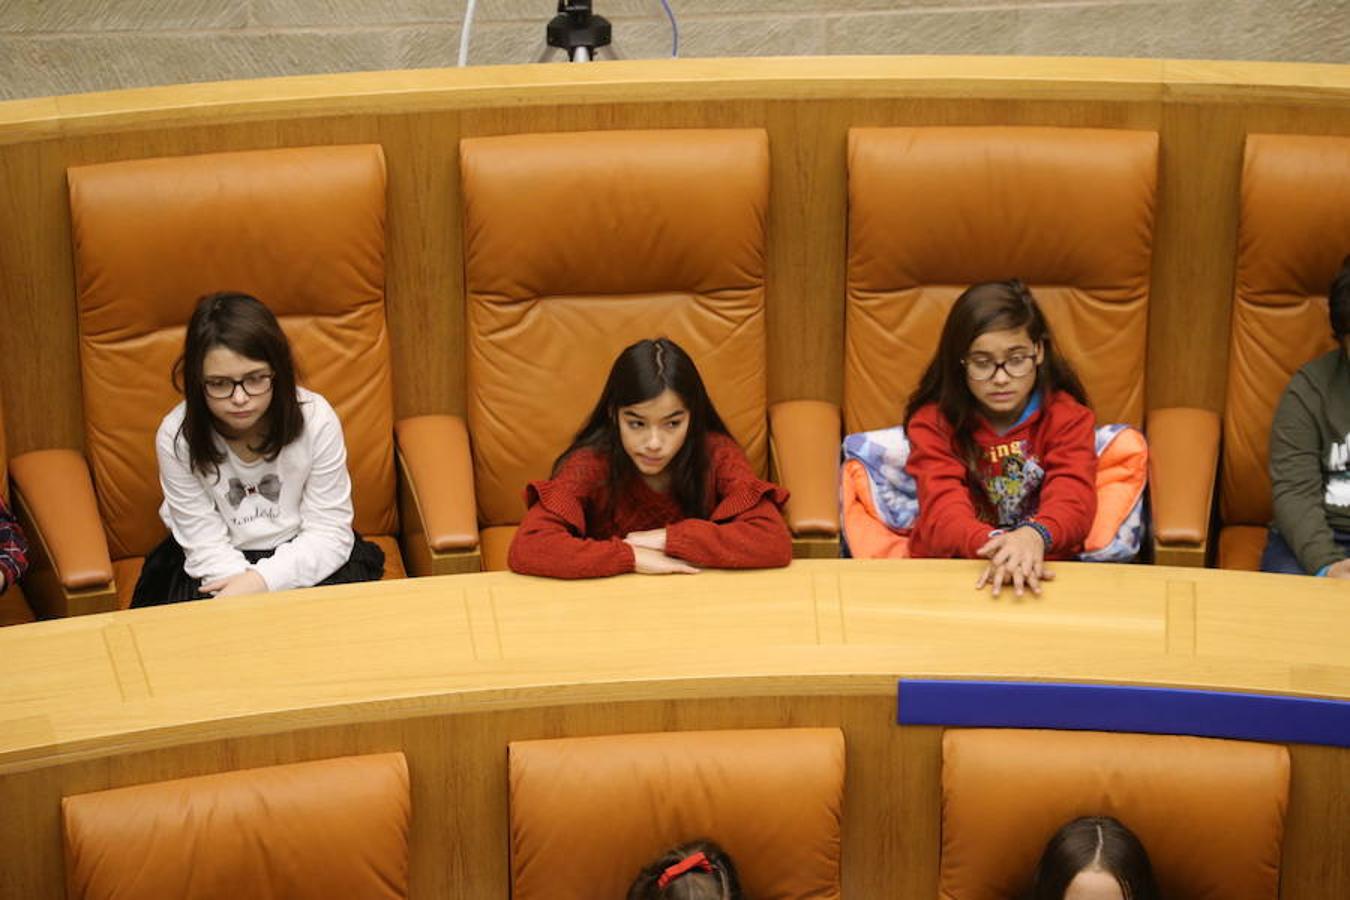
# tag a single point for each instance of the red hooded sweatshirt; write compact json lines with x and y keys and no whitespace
{"x":1043,"y":469}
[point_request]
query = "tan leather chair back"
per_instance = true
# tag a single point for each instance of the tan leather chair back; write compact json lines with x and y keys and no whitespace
{"x":577,"y":245}
{"x":308,"y":831}
{"x":1293,"y":232}
{"x":1210,"y":813}
{"x":303,"y":230}
{"x":588,"y":813}
{"x":933,"y":210}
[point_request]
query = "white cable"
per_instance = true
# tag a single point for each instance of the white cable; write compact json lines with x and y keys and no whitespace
{"x":464,"y":33}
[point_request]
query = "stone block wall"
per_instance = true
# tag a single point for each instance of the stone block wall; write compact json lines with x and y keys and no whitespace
{"x":69,"y":46}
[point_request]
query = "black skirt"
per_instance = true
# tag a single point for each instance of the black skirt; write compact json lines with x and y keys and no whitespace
{"x":163,"y":579}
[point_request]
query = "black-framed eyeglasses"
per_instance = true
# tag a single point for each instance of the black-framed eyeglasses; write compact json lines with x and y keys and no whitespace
{"x":1015,"y":366}
{"x":255,"y":385}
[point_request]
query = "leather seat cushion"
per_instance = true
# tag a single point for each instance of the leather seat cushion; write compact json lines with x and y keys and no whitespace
{"x":1240,"y":547}
{"x":14,"y":608}
{"x":494,"y":543}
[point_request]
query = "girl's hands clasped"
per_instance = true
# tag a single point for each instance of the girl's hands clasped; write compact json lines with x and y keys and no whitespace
{"x":246,"y":582}
{"x":1017,"y":557}
{"x":649,"y":554}
{"x":654,"y":539}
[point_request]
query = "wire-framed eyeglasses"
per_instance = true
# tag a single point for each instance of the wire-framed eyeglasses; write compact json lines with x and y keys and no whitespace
{"x":982,"y":368}
{"x":255,"y":384}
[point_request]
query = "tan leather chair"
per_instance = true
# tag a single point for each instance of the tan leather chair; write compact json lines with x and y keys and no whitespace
{"x":588,"y":813}
{"x":1210,"y":813}
{"x":323,"y":829}
{"x":302,"y":229}
{"x":1067,"y":210}
{"x":577,"y":245}
{"x":13,"y":607}
{"x":1293,"y":232}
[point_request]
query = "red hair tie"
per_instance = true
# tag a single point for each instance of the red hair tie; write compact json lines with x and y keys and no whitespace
{"x":692,"y":861}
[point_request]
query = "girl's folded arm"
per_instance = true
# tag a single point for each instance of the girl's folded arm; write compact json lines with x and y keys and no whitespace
{"x":745,"y":529}
{"x":546,"y":544}
{"x":757,"y":538}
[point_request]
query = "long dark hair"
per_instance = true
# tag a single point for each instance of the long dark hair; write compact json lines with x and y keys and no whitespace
{"x":241,"y":323}
{"x":982,"y":308}
{"x":718,"y":881}
{"x":642,"y":372}
{"x":1098,"y":843}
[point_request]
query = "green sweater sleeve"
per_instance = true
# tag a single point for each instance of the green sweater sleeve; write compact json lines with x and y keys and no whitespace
{"x":1297,"y":481}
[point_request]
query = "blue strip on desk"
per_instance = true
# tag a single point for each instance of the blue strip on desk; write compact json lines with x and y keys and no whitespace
{"x":1099,"y":707}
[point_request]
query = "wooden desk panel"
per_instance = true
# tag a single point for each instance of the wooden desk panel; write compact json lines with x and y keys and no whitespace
{"x":381,"y":645}
{"x":716,"y":613}
{"x":1126,"y":610}
{"x":1254,"y":619}
{"x":308,"y":645}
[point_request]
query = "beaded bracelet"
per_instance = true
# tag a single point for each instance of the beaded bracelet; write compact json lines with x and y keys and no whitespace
{"x":1042,"y":531}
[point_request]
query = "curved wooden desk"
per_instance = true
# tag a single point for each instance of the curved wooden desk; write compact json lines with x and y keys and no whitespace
{"x":450,"y":669}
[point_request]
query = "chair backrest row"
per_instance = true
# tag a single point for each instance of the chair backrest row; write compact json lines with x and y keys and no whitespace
{"x":587,"y":813}
{"x":577,"y":244}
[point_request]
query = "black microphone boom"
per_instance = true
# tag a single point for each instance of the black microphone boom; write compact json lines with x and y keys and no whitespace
{"x":578,"y":30}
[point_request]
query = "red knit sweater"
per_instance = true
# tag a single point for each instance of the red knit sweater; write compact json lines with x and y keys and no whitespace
{"x":566,"y":533}
{"x":1044,"y":469}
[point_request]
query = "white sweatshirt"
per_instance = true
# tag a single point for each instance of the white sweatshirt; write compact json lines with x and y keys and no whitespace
{"x":300,"y":503}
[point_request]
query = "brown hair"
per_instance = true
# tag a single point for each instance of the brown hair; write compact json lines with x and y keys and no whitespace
{"x":241,"y":323}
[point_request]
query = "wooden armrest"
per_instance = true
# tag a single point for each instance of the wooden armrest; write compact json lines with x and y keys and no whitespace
{"x":70,"y":572}
{"x":436,"y":495}
{"x":804,"y":447}
{"x":1183,"y":461}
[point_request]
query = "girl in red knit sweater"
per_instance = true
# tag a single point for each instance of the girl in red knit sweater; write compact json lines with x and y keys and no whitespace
{"x":1001,"y":442}
{"x":653,"y":483}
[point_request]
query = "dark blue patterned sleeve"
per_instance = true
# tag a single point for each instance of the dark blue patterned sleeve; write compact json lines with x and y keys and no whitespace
{"x":13,"y":548}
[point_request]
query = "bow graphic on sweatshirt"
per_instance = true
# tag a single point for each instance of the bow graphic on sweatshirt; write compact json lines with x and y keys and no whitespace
{"x":269,"y":487}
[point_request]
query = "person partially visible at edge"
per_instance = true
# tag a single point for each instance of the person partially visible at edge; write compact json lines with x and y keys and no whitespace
{"x":1310,"y":457}
{"x":13,"y":550}
{"x":1094,"y":858}
{"x":698,"y":870}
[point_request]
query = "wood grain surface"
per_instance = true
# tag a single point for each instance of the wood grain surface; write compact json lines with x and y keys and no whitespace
{"x":450,"y":669}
